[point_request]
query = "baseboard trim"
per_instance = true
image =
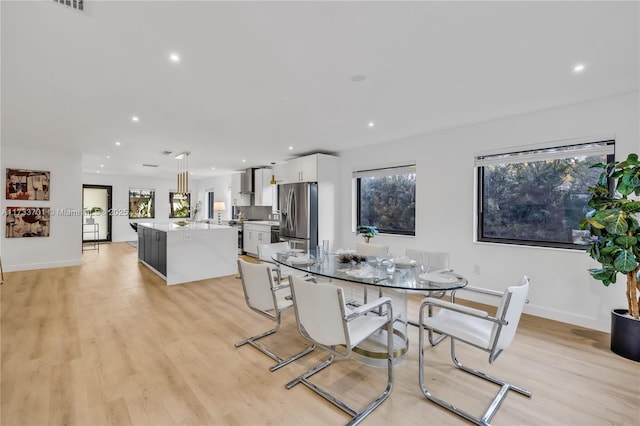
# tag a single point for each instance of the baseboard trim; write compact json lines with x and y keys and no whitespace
{"x":45,"y":265}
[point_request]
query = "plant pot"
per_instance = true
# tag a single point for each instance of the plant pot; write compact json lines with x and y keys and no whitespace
{"x":89,"y":221}
{"x":625,"y":335}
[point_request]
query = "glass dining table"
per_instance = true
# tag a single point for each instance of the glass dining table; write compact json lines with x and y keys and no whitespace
{"x":367,"y":275}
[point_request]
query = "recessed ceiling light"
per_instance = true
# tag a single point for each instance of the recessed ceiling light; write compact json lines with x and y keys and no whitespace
{"x":108,"y":157}
{"x":578,"y":68}
{"x":174,"y":57}
{"x":117,"y":143}
{"x":290,"y":148}
{"x":97,"y":171}
{"x":213,"y":168}
{"x":101,"y":165}
{"x":371,"y":124}
{"x":244,"y":161}
{"x":135,"y":119}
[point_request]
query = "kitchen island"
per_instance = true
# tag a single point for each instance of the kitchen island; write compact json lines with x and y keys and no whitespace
{"x":193,"y":252}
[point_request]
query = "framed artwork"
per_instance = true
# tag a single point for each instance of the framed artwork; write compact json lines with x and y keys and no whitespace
{"x":142,"y":203}
{"x":28,"y":184}
{"x":179,"y":205}
{"x":27,"y":222}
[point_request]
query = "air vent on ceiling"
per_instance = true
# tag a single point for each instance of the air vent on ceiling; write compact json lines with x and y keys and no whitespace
{"x":150,"y":165}
{"x":166,"y":152}
{"x":74,"y":4}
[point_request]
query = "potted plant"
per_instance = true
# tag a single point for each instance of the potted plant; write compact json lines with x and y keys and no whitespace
{"x":614,"y":226}
{"x":90,"y":211}
{"x":367,"y":231}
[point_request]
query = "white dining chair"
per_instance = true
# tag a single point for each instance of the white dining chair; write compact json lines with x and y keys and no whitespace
{"x":492,"y":334}
{"x":324,"y":320}
{"x":429,"y":261}
{"x":370,"y":249}
{"x":265,"y":255}
{"x":269,"y":300}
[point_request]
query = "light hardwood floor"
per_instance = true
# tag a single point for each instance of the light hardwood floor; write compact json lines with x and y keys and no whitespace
{"x":108,"y":343}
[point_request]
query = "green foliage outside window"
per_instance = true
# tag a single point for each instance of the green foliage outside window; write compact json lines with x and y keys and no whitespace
{"x":388,"y":203}
{"x":536,"y":202}
{"x":180,"y":205}
{"x":141,"y":203}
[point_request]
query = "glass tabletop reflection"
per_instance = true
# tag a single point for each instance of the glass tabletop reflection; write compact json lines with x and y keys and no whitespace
{"x":371,"y":272}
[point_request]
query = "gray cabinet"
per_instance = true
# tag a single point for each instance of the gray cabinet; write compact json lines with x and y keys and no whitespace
{"x":152,"y":248}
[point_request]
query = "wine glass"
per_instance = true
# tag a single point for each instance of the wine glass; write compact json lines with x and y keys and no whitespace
{"x":391,"y":265}
{"x":36,"y":182}
{"x":45,"y":188}
{"x":22,"y":184}
{"x":11,"y":219}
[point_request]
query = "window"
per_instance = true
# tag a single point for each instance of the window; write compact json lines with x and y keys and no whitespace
{"x":210,"y":211}
{"x":537,"y":196}
{"x":180,"y":204}
{"x":142,"y":203}
{"x":386,"y":199}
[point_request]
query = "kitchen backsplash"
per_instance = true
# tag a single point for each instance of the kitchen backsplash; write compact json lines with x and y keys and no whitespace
{"x":256,"y":212}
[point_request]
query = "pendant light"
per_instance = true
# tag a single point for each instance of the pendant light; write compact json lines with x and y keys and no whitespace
{"x":183,"y":172}
{"x":273,"y":175}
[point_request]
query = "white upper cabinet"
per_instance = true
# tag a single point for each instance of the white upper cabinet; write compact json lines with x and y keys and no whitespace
{"x":238,"y":198}
{"x":263,"y":191}
{"x":307,"y":169}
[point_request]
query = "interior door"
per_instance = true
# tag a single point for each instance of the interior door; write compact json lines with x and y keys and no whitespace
{"x":97,"y":196}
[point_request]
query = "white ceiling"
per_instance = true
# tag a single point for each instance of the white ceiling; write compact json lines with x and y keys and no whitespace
{"x":258,"y":77}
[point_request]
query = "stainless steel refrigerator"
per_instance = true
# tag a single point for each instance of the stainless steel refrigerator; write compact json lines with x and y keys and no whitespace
{"x":299,"y":214}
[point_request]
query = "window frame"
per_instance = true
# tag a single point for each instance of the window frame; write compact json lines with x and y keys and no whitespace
{"x":390,"y":171}
{"x":210,"y":201}
{"x":538,"y":155}
{"x":172,"y":213}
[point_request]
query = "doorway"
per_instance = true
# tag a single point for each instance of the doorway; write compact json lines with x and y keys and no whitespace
{"x":96,"y":220}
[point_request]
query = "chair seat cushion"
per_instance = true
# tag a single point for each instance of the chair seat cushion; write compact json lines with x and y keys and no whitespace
{"x":362,"y":327}
{"x":461,"y":326}
{"x":281,"y":298}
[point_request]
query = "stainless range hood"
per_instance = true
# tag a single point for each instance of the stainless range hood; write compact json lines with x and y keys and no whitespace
{"x":246,"y":185}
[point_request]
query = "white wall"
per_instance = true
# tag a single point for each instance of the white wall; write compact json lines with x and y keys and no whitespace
{"x":561,"y":287}
{"x":221,"y":187}
{"x":63,"y":247}
{"x":120,"y":229}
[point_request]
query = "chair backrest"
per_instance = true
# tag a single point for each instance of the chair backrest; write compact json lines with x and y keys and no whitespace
{"x":431,"y":259}
{"x":510,"y":309}
{"x":266,"y":251}
{"x":319,"y":311}
{"x":438,"y":260}
{"x":257,"y":283}
{"x":420,"y":256}
{"x":370,"y":249}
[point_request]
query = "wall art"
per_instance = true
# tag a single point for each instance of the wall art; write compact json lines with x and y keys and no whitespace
{"x":28,"y":184}
{"x":27,"y":222}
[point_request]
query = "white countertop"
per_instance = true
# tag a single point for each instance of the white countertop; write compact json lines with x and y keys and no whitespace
{"x":262,"y":222}
{"x":190,"y":226}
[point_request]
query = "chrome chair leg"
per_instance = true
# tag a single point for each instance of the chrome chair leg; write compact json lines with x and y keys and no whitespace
{"x":485,"y":376}
{"x":324,"y":364}
{"x":281,"y":362}
{"x":493,"y":406}
{"x":356,"y":416}
{"x":432,"y":340}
